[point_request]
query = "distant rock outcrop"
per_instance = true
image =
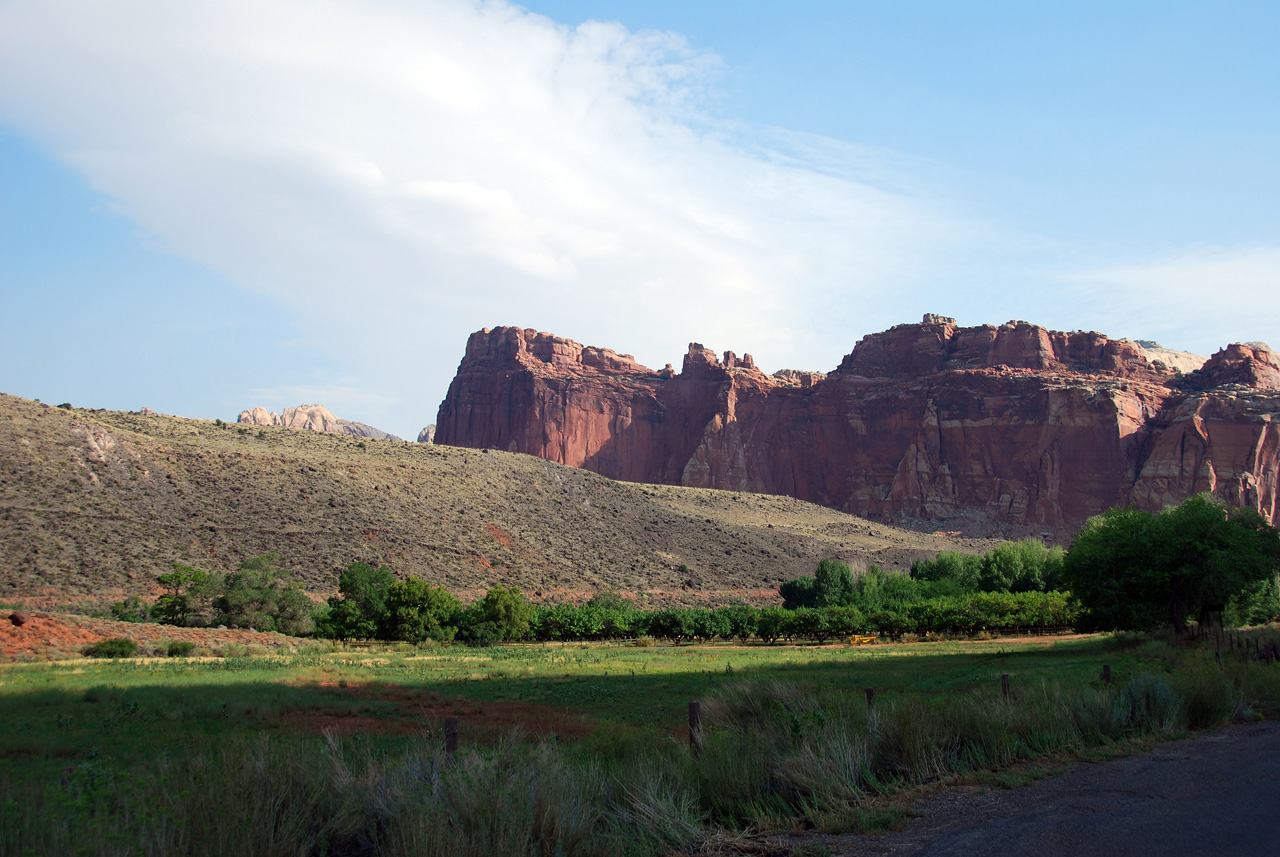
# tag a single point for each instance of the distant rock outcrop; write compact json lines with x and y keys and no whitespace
{"x":312,"y":417}
{"x":427,"y":435}
{"x":1181,"y":361}
{"x":1014,"y":428}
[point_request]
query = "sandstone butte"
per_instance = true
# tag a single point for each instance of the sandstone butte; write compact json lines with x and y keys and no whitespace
{"x":1009,"y":429}
{"x":312,"y":418}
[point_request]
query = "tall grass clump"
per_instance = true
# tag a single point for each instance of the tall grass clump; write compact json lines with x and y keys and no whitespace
{"x":513,"y":800}
{"x":263,"y":798}
{"x":1210,"y":696}
{"x":776,"y":751}
{"x":1149,"y":703}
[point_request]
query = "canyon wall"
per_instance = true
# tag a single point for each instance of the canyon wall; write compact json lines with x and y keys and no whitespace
{"x":982,"y":429}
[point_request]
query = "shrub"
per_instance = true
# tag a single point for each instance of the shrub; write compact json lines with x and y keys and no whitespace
{"x":132,"y":609}
{"x":181,"y":649}
{"x":115,"y":647}
{"x":482,"y":634}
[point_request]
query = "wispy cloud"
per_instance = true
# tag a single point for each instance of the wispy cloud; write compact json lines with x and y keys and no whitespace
{"x":400,"y":174}
{"x":1198,"y":300}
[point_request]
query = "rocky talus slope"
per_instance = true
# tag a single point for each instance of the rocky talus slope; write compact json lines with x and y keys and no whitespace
{"x":1010,"y":429}
{"x":93,"y":505}
{"x":312,"y":418}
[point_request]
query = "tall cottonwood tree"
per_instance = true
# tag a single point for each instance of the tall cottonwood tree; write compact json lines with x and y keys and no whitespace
{"x":1132,"y":570}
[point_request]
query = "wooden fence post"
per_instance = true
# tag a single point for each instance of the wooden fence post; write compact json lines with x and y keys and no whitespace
{"x":695,"y":727}
{"x":870,"y":694}
{"x":1106,"y":674}
{"x":450,"y":737}
{"x":1004,"y":686}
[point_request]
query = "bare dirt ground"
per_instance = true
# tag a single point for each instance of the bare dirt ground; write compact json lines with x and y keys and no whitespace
{"x":1212,"y":794}
{"x":51,"y":636}
{"x":417,"y":709}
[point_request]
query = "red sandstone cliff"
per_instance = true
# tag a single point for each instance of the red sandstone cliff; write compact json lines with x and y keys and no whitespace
{"x":1015,"y":426}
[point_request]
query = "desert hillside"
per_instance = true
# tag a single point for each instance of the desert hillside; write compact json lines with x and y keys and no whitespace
{"x":94,"y":504}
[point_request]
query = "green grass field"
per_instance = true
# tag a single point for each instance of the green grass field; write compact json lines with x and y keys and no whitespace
{"x":56,"y":713}
{"x":566,"y":749}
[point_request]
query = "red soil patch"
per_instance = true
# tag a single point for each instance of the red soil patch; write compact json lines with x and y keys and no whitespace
{"x":53,"y":636}
{"x":416,"y":710}
{"x":499,"y":535}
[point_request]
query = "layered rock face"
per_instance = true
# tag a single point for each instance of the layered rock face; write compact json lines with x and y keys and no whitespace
{"x":1013,"y":428}
{"x":312,"y":418}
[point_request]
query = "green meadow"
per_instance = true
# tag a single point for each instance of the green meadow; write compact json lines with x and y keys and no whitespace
{"x":59,"y":712}
{"x":566,"y":749}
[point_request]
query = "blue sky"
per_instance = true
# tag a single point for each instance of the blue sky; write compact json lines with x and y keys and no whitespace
{"x":210,"y":206}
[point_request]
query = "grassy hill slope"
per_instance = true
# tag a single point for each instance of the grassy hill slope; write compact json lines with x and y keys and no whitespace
{"x":94,"y":504}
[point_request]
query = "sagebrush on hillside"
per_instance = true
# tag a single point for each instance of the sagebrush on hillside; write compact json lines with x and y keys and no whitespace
{"x":95,"y":505}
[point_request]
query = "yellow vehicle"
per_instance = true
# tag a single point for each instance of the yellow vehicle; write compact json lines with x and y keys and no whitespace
{"x":858,"y":640}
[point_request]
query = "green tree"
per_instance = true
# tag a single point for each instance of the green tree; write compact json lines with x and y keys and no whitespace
{"x":811,"y":623}
{"x":708,"y":624}
{"x":674,"y":624}
{"x":770,"y":623}
{"x":878,"y":590}
{"x":1258,"y":604}
{"x":417,"y":611}
{"x":359,"y":611}
{"x":845,"y":621}
{"x":609,"y":599}
{"x":295,"y":612}
{"x":1021,"y":566}
{"x":1133,"y":570}
{"x":133,"y":609}
{"x":186,"y":594}
{"x":260,"y":595}
{"x":833,"y":584}
{"x":965,"y":569}
{"x":739,"y":620}
{"x":799,"y":592}
{"x":503,"y":607}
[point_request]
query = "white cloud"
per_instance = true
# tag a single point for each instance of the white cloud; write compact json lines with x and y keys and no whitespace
{"x":400,"y":174}
{"x":1198,"y":300}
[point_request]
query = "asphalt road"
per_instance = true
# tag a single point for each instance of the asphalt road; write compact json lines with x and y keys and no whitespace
{"x":1214,"y":794}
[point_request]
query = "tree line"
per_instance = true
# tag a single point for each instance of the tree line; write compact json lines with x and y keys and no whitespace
{"x":1127,"y":570}
{"x":372,"y":603}
{"x":258,"y":594}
